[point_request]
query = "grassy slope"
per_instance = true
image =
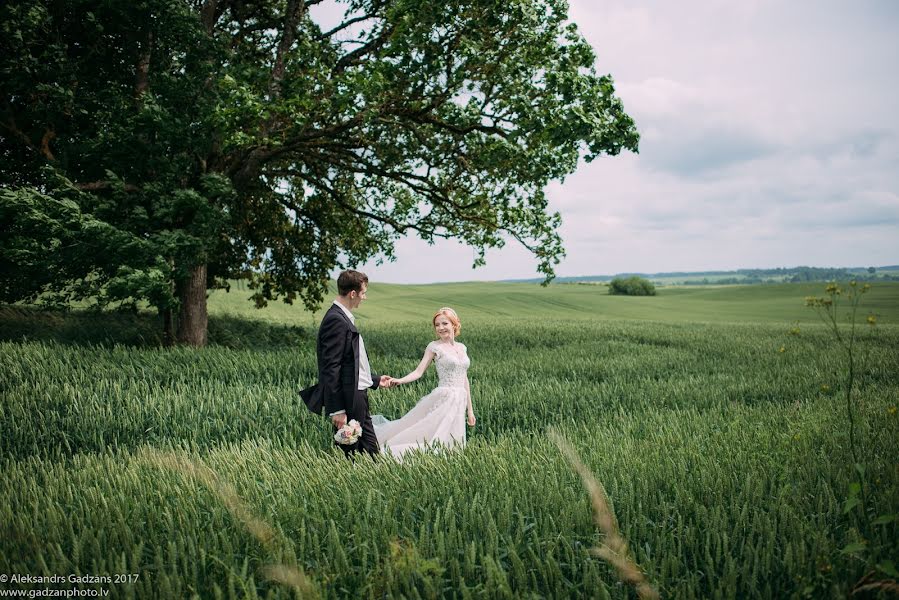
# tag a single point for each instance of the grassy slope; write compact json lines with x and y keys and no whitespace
{"x":726,"y":460}
{"x":752,"y":303}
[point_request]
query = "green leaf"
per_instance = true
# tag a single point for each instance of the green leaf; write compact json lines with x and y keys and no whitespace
{"x":851,"y":503}
{"x":853,"y":548}
{"x":888,"y":568}
{"x":885,"y":519}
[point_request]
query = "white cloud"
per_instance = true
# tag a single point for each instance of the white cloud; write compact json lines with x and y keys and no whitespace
{"x":769,"y":138}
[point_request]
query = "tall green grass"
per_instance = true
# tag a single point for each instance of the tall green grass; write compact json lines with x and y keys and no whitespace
{"x":726,"y":463}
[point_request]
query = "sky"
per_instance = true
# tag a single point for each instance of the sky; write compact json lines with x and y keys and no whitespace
{"x":769,"y":138}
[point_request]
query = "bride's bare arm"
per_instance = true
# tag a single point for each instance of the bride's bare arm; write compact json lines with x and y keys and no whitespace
{"x":419,"y":370}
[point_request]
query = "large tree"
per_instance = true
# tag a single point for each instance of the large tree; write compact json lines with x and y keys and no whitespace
{"x":154,"y":149}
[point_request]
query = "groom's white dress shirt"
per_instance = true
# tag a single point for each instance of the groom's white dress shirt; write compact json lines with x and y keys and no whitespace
{"x":365,"y":380}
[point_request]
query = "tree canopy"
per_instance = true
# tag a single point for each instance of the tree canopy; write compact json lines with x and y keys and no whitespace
{"x":153,"y":149}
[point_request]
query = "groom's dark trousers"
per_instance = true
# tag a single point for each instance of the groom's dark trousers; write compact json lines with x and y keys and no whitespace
{"x":368,"y":442}
{"x":337,"y":389}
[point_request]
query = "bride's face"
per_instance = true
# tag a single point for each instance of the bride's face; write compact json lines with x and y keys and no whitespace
{"x":443,"y":327}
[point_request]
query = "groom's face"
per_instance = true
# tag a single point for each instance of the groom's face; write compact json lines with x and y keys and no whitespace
{"x":355,"y":298}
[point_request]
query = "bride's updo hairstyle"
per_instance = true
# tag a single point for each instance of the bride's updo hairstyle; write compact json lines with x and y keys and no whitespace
{"x":452,"y":316}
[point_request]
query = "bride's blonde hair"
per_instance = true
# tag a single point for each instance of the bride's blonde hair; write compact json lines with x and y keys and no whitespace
{"x":453,"y":319}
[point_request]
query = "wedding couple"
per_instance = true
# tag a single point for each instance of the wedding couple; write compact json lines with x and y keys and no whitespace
{"x":345,"y":376}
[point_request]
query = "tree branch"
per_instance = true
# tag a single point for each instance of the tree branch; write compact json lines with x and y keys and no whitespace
{"x":49,"y":134}
{"x":344,"y":25}
{"x":354,"y":57}
{"x":433,"y":120}
{"x":380,"y":218}
{"x":209,"y":15}
{"x":288,"y":35}
{"x":94,"y":186}
{"x":142,"y":70}
{"x":10,"y":125}
{"x":438,"y":197}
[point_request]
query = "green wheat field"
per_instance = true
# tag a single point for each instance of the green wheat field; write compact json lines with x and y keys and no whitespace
{"x":715,"y":418}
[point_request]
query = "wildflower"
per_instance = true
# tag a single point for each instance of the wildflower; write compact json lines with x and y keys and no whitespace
{"x":872,"y":320}
{"x":825,"y":388}
{"x":782,"y":349}
{"x":891,"y":410}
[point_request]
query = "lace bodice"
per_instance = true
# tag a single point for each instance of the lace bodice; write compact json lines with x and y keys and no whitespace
{"x":452,"y":363}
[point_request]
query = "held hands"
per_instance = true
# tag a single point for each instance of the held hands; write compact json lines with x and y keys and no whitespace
{"x":388,"y":382}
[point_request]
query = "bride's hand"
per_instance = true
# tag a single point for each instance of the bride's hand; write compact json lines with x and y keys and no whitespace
{"x":471,"y":419}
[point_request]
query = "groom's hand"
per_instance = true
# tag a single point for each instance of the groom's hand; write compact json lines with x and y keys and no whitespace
{"x":339,"y":420}
{"x":387,"y":382}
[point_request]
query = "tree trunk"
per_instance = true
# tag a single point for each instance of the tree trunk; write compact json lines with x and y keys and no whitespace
{"x":142,"y":70}
{"x":192,"y":321}
{"x":168,"y":327}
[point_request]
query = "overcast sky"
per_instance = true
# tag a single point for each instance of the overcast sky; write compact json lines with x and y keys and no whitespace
{"x":770,"y":137}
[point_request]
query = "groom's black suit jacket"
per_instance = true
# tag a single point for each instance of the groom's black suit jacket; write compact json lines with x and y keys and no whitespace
{"x":338,"y":367}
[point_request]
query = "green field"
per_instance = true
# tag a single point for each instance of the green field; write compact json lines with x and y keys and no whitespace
{"x":783,"y":303}
{"x":720,"y":436}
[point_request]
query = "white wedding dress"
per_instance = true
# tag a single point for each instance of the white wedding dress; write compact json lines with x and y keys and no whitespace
{"x":438,"y":419}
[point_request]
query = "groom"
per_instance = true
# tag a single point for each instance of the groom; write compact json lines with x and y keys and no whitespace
{"x":344,"y":373}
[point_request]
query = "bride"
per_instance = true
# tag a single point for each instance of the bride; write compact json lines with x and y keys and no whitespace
{"x":438,"y":418}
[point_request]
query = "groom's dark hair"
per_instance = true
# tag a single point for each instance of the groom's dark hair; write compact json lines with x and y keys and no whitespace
{"x":351,"y":281}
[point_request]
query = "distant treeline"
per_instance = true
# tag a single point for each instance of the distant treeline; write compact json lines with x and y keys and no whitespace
{"x":799,"y":274}
{"x":804,"y":274}
{"x":734,"y":280}
{"x":796,"y":275}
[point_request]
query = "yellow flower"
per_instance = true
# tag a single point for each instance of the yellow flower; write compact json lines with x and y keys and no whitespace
{"x":872,"y":320}
{"x":825,"y":388}
{"x":892,"y":410}
{"x":782,"y":349}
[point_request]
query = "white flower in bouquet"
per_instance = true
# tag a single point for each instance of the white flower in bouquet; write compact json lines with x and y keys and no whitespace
{"x":349,"y":433}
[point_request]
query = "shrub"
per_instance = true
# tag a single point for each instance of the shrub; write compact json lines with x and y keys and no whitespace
{"x":632,"y":286}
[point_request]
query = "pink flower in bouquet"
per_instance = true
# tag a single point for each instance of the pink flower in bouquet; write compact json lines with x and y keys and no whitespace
{"x":349,"y":433}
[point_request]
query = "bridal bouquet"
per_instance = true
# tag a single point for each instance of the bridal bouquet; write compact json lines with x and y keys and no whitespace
{"x":349,"y":433}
